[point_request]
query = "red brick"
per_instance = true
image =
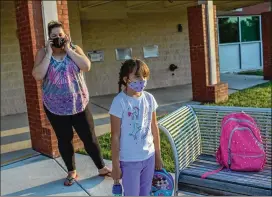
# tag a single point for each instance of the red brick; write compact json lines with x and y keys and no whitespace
{"x":65,"y":12}
{"x":199,"y":58}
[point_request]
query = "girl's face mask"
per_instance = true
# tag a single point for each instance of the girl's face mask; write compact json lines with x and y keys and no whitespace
{"x":138,"y":86}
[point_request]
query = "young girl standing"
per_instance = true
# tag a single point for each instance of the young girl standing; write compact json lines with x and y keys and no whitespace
{"x":134,"y":132}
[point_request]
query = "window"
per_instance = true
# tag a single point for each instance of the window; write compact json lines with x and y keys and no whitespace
{"x":250,"y":28}
{"x":228,"y":30}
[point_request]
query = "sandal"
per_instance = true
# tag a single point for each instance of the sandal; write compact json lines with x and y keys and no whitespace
{"x":70,"y":180}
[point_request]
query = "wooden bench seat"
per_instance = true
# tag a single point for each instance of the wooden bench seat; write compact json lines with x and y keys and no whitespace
{"x":225,"y":182}
{"x":194,"y":133}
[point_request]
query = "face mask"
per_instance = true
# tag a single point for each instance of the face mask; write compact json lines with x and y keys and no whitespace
{"x":138,"y":86}
{"x":58,"y":42}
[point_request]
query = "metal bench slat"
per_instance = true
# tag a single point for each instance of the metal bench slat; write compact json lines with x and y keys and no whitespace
{"x":257,"y":183}
{"x":223,"y":186}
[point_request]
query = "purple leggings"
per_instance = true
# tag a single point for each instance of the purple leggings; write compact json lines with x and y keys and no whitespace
{"x":137,"y":177}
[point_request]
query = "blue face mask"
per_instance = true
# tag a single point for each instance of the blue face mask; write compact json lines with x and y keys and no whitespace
{"x":138,"y":86}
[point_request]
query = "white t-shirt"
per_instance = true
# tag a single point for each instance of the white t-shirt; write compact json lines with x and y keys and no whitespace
{"x":136,"y":140}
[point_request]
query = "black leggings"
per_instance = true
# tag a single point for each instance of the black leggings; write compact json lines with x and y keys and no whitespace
{"x":84,"y":125}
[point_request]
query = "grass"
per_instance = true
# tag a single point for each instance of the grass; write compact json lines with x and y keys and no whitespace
{"x":252,"y":72}
{"x":258,"y":96}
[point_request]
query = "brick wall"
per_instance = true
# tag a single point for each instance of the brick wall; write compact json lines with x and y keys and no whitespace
{"x":137,"y":31}
{"x":267,"y":44}
{"x":63,"y":14}
{"x":31,"y":38}
{"x":12,"y":86}
{"x":199,"y":55}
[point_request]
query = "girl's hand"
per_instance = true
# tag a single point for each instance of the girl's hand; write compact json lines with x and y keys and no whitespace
{"x":158,"y":162}
{"x":67,"y":43}
{"x":116,"y":173}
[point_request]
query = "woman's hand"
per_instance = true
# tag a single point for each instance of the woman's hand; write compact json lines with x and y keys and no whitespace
{"x":67,"y":45}
{"x":48,"y":47}
{"x":158,"y":162}
{"x":116,"y":173}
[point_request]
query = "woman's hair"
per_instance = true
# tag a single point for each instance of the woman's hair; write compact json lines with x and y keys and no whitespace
{"x":53,"y":24}
{"x":128,"y":67}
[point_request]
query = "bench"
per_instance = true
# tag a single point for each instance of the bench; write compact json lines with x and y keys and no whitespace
{"x":194,"y":132}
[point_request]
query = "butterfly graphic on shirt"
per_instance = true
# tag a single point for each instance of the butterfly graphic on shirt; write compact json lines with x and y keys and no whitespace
{"x":136,"y":130}
{"x":147,"y":121}
{"x":63,"y":75}
{"x":136,"y":126}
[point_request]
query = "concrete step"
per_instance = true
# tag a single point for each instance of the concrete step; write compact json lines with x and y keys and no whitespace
{"x":15,"y":139}
{"x":15,"y":145}
{"x":11,"y":157}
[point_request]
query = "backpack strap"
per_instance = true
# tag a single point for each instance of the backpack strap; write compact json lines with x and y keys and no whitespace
{"x":212,"y":172}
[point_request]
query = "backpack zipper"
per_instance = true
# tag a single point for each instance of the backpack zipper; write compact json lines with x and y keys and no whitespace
{"x":239,"y":120}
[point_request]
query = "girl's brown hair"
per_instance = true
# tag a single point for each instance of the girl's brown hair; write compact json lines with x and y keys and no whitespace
{"x":128,"y":67}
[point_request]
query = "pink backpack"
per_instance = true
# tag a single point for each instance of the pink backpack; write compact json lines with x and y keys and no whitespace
{"x":241,"y":147}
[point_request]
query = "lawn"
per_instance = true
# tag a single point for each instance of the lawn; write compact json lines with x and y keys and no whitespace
{"x":252,"y":72}
{"x":258,"y":96}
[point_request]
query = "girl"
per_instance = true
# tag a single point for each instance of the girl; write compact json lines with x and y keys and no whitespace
{"x":134,"y":131}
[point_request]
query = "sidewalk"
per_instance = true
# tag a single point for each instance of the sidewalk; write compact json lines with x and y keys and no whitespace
{"x":42,"y":176}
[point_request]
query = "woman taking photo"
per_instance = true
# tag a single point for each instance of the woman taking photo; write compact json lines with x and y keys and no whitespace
{"x":60,"y":65}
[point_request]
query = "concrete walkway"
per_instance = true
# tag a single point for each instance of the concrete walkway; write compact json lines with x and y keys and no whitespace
{"x":240,"y":82}
{"x":41,"y":176}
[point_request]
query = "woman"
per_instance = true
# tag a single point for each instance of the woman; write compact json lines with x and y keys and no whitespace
{"x":65,"y":97}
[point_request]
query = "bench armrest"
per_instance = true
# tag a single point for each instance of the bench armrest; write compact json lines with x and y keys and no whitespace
{"x":182,"y":129}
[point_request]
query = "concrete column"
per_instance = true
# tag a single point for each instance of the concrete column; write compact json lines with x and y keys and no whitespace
{"x":211,"y":41}
{"x":32,"y":17}
{"x":210,"y":25}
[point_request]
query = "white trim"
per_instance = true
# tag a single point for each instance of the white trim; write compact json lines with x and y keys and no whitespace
{"x":240,"y":47}
{"x":261,"y":40}
{"x":240,"y":43}
{"x":49,"y":12}
{"x":226,"y":16}
{"x":211,"y":41}
{"x":249,"y":42}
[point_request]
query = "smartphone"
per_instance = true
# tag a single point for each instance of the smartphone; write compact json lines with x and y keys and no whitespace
{"x":72,"y":45}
